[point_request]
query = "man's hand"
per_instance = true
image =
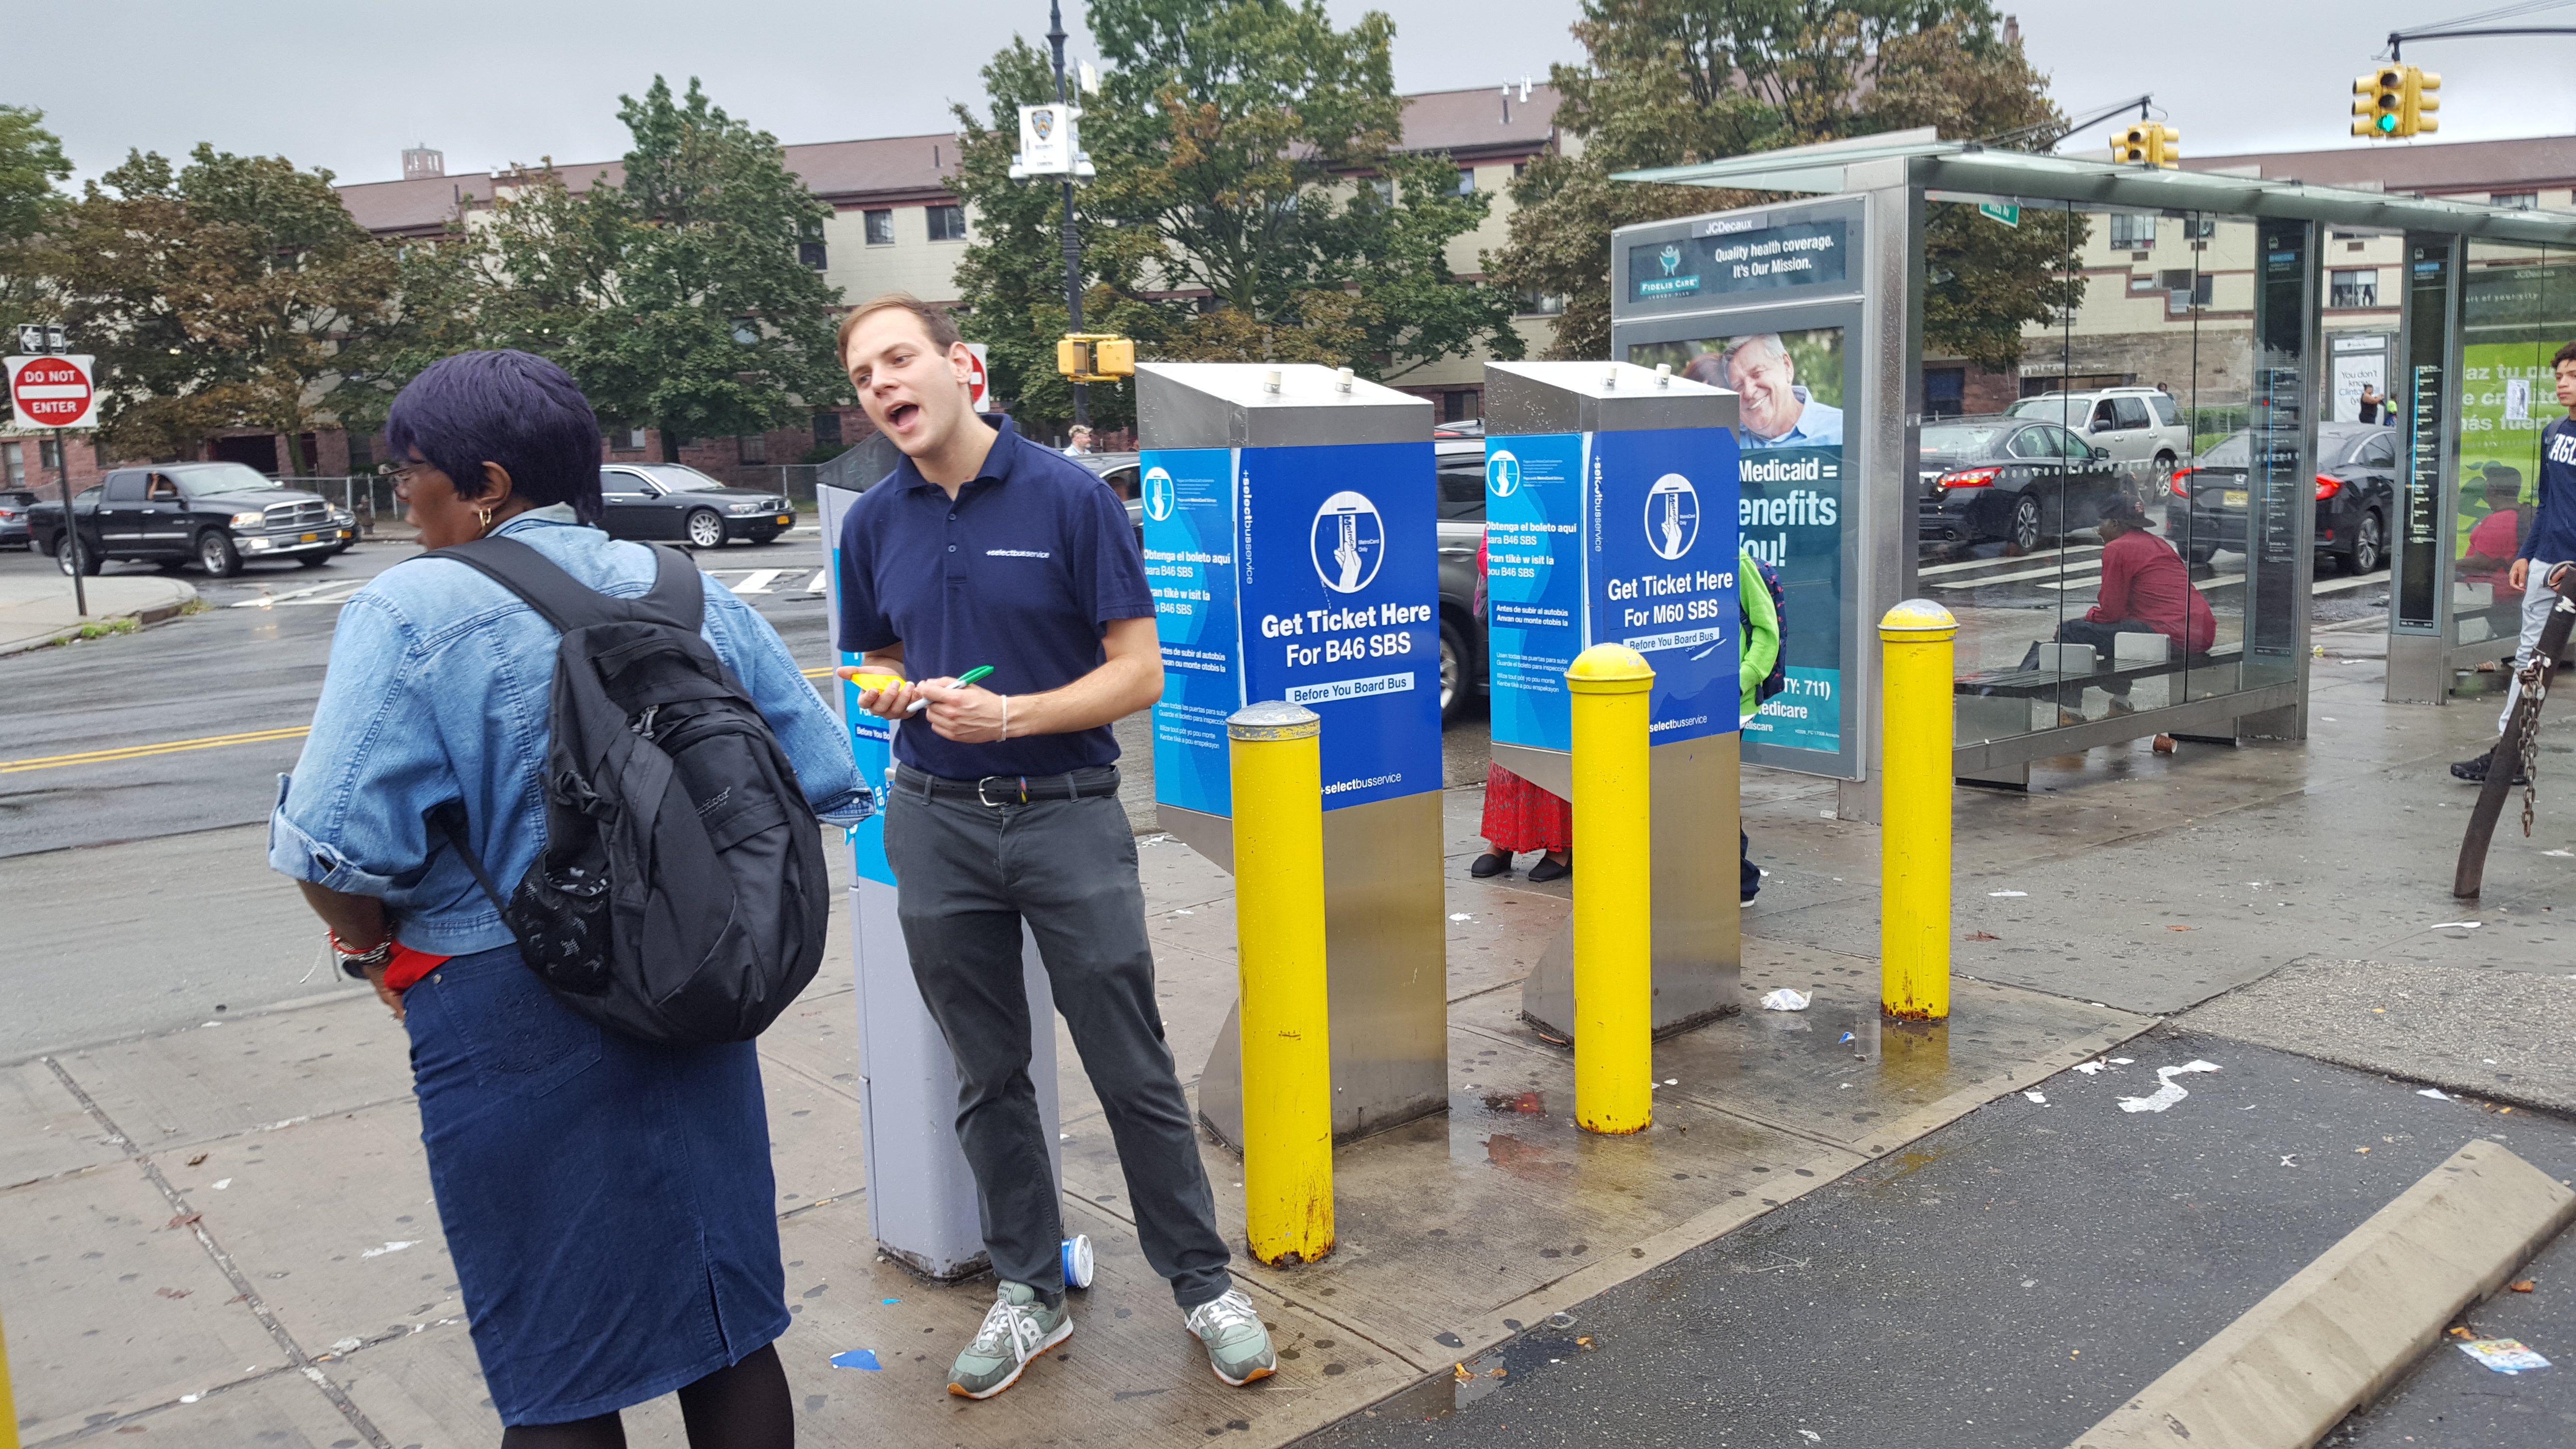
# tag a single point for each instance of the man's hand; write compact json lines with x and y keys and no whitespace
{"x":384,"y":993}
{"x":969,"y":714}
{"x":883,"y":703}
{"x":2521,"y":574}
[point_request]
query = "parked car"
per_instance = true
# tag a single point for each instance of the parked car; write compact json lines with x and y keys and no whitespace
{"x":2140,"y":427}
{"x":2356,"y":483}
{"x":1460,"y":468}
{"x":220,"y":515}
{"x":14,"y":504}
{"x":2003,"y":477}
{"x":673,"y":501}
{"x":1122,"y":472}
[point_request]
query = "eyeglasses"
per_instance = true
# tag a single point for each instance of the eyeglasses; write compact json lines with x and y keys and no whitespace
{"x":403,"y":473}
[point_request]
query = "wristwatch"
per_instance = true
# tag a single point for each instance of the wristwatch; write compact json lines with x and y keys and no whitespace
{"x":355,"y":964}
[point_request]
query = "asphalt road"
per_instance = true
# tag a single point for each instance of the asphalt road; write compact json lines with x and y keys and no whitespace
{"x":2015,"y":1276}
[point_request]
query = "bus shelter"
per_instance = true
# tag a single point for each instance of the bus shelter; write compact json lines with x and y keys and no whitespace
{"x":2206,"y":349}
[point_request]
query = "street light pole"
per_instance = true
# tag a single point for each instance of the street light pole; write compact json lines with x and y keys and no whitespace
{"x":1072,"y":242}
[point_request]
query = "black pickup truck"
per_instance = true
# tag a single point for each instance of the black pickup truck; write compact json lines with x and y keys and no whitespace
{"x":217,"y":515}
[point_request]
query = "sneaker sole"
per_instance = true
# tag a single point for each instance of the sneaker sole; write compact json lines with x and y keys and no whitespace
{"x":1254,"y":1377}
{"x":1063,"y":1331}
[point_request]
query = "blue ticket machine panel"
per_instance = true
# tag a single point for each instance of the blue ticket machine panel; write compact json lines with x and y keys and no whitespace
{"x":1622,"y":532}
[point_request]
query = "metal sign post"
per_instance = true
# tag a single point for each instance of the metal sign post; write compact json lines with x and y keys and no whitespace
{"x":54,"y":391}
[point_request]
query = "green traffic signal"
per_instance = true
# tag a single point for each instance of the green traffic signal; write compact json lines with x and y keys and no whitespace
{"x":2388,"y":125}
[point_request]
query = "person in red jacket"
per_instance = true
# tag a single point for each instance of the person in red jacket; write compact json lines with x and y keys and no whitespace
{"x":2145,"y":590}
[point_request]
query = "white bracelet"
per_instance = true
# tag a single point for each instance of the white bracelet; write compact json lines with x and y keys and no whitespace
{"x":1006,"y":716}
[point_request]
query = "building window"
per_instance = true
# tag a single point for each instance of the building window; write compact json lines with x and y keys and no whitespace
{"x":2518,"y":200}
{"x":1466,"y":181}
{"x":14,"y":458}
{"x":49,"y":454}
{"x":827,"y":430}
{"x":2132,"y":232}
{"x":1384,"y":188}
{"x":751,"y":447}
{"x":809,"y":244}
{"x":2180,"y":300}
{"x":947,"y":223}
{"x":1459,"y":404}
{"x":2149,"y":284}
{"x":1541,"y":304}
{"x":2353,"y":289}
{"x":362,"y":453}
{"x":1945,"y":391}
{"x":2200,"y":228}
{"x":880,"y":222}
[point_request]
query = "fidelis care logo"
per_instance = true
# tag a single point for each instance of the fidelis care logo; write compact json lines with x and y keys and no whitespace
{"x":1671,"y":258}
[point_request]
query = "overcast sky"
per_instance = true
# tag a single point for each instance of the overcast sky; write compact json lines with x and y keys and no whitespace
{"x":347,"y":86}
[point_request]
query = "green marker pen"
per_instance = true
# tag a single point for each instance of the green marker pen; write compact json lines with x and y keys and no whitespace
{"x":967,"y":678}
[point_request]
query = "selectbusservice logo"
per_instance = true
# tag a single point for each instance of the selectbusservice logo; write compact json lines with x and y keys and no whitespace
{"x":1159,"y":494}
{"x":1502,"y":474}
{"x":1348,"y":543}
{"x":1672,"y":517}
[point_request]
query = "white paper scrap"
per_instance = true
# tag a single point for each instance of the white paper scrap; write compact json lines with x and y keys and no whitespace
{"x":2037,"y":1097}
{"x":2455,"y":925}
{"x":2168,"y":1094}
{"x":1785,"y":999}
{"x":389,"y":1248}
{"x":222,"y":1182}
{"x":1999,"y":895}
{"x":2124,"y":1061}
{"x":2436,"y":1093}
{"x":2088,"y":1068}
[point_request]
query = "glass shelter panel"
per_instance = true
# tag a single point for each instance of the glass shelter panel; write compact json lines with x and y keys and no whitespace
{"x":2114,"y":538}
{"x":2517,"y":306}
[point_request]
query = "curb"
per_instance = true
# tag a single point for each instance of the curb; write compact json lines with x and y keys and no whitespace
{"x":143,"y":619}
{"x":2343,"y":1329}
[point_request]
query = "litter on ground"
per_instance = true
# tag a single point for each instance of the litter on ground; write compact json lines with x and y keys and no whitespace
{"x":857,"y":1358}
{"x":2001,"y":895}
{"x":2040,"y":1098}
{"x":2504,"y":1355}
{"x":2168,"y":1094}
{"x":1784,"y":999}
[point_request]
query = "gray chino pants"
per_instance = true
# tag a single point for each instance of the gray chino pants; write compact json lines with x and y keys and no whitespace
{"x":966,"y":876}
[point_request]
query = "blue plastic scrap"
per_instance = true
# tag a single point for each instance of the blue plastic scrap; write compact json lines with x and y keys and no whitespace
{"x":857,"y":1358}
{"x":1847,"y":1036}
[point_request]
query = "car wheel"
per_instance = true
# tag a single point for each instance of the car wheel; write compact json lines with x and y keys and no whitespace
{"x":217,"y":556}
{"x":2023,"y":531}
{"x":704,"y":529}
{"x":1453,"y":672}
{"x":2369,"y":545}
{"x":51,"y":546}
{"x":90,"y":562}
{"x":2201,"y":553}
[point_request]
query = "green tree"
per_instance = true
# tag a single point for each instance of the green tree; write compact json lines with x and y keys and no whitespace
{"x":31,"y":162}
{"x":1247,"y":162}
{"x":218,"y":295}
{"x":703,"y":321}
{"x":1671,"y":82}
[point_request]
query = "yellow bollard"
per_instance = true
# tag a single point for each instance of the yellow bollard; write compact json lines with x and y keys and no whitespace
{"x":1279,"y":953}
{"x":8,"y":1406}
{"x":1914,"y":793}
{"x":1614,"y":919}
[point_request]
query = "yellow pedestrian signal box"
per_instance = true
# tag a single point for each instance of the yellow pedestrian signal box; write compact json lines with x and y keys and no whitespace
{"x":1095,"y":357}
{"x":2164,"y":147}
{"x":2421,"y":102}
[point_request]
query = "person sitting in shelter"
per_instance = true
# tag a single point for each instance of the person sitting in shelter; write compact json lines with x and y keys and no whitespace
{"x":2145,"y":590}
{"x":2497,"y":539}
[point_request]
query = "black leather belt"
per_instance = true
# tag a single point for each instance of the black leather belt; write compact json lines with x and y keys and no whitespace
{"x":1000,"y":790}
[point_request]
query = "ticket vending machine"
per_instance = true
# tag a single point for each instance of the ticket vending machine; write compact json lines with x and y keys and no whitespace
{"x":921,"y":1197}
{"x":1611,"y":518}
{"x":1291,"y":540}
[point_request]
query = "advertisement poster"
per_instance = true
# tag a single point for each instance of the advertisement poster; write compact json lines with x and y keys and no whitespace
{"x":1188,"y":496}
{"x":1729,"y":255}
{"x":1340,"y":606}
{"x":871,"y":738}
{"x":1790,"y":505}
{"x":2512,"y":319}
{"x":1661,"y":571}
{"x":1533,"y":583}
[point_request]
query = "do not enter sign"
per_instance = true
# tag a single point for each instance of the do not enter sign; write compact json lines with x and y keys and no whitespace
{"x":979,"y":382}
{"x":50,"y":392}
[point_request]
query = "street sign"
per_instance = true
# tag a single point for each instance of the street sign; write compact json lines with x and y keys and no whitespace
{"x":979,"y":381}
{"x":1048,"y":144}
{"x":50,"y":392}
{"x":31,"y":337}
{"x":1998,"y":211}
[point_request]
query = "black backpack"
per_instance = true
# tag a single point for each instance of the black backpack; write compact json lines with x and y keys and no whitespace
{"x":681,"y":895}
{"x":1778,"y":679}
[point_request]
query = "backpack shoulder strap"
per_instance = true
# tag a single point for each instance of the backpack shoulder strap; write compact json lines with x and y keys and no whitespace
{"x":679,"y":594}
{"x":539,"y":582}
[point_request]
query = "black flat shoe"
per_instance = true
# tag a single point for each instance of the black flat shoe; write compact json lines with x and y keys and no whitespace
{"x":1547,"y":870}
{"x":1491,"y":863}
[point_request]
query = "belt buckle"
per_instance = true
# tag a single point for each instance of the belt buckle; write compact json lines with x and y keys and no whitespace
{"x":980,"y":785}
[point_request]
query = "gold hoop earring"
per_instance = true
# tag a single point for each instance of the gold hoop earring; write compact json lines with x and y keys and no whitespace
{"x":486,"y":516}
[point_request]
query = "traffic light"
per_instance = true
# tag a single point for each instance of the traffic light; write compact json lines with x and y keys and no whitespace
{"x":1095,"y":357}
{"x":2421,"y":102}
{"x":2133,"y":146}
{"x":2380,"y":103}
{"x":2164,"y":147}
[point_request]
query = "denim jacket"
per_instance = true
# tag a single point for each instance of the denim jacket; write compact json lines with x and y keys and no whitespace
{"x":438,"y":691}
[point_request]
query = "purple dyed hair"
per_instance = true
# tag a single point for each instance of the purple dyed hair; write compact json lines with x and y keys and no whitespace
{"x":511,"y":408}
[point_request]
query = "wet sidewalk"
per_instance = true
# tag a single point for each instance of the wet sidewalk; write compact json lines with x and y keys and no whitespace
{"x":225,"y":1232}
{"x":37,"y":609}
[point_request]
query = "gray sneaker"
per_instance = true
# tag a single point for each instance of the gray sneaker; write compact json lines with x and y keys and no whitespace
{"x":1018,"y":1327}
{"x":1238,"y":1346}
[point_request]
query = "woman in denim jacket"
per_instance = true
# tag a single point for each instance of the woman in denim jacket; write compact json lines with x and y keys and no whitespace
{"x":608,"y":1203}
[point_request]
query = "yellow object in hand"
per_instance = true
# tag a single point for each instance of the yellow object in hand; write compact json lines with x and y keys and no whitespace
{"x":877,"y":682}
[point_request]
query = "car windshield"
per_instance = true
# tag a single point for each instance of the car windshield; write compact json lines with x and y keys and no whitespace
{"x":1960,"y":440}
{"x":2056,"y":407}
{"x":2232,"y":451}
{"x":211,"y":478}
{"x":679,"y":478}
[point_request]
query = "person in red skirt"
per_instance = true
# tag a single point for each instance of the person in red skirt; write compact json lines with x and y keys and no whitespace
{"x":1519,"y":816}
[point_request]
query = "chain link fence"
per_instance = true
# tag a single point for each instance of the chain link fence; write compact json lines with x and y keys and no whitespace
{"x":369,"y":497}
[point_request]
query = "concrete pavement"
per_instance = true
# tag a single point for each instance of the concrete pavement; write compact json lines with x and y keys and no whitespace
{"x":38,"y":609}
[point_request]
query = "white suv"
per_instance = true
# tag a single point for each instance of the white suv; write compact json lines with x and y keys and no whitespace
{"x":2140,"y":427}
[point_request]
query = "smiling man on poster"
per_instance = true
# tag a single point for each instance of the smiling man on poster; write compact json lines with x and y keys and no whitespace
{"x":1778,"y":411}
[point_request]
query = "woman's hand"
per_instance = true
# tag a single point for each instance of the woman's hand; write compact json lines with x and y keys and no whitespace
{"x":384,"y":993}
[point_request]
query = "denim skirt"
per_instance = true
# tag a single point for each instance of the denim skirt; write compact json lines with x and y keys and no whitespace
{"x":608,"y":1203}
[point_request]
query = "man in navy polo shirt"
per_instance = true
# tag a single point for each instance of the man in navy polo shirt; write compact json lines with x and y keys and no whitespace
{"x":982,"y":549}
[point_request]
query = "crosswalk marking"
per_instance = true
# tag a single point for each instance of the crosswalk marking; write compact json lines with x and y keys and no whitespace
{"x":821,"y":577}
{"x":757,"y":582}
{"x":269,"y":600}
{"x":1980,"y":563}
{"x":2093,"y":567}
